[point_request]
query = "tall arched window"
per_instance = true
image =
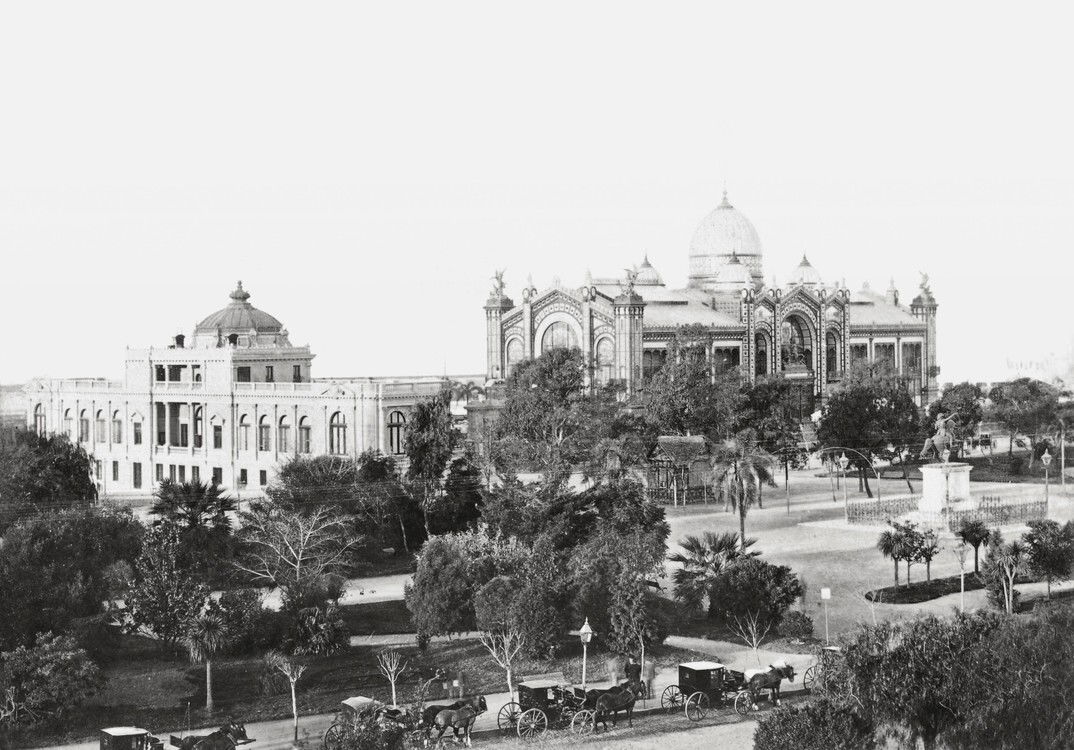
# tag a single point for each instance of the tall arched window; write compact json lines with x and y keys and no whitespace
{"x":396,"y":433}
{"x":199,"y":427}
{"x":604,"y":360}
{"x":264,"y":434}
{"x":283,"y":436}
{"x":337,"y":434}
{"x":117,"y":427}
{"x":304,"y":435}
{"x":83,"y":426}
{"x":514,"y":355}
{"x":760,"y":356}
{"x":244,"y":433}
{"x":831,"y":355}
{"x":68,"y":424}
{"x":101,"y":433}
{"x":559,"y":335}
{"x":39,"y":420}
{"x":795,"y":350}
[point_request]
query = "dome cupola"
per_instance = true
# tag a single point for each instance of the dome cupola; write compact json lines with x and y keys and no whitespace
{"x":647,"y":275}
{"x":240,"y":324}
{"x":724,"y":232}
{"x":805,"y":275}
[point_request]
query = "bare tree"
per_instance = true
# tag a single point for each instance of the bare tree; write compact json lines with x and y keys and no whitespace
{"x":392,"y":666}
{"x":752,"y":631}
{"x":505,"y":645}
{"x":295,"y":550}
{"x":293,"y":671}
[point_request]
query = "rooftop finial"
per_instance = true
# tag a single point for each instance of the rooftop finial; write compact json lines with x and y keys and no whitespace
{"x":805,"y":260}
{"x":240,"y":294}
{"x":725,"y":203}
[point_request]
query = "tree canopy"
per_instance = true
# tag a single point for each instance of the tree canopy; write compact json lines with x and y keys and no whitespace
{"x":41,"y":473}
{"x":1026,"y":407}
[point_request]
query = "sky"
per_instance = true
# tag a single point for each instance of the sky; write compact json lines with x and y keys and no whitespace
{"x":364,"y":168}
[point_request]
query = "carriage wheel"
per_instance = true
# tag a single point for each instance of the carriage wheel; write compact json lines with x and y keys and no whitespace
{"x":809,"y":679}
{"x":743,"y":702}
{"x":507,"y":718}
{"x":333,"y":737}
{"x":697,"y":707}
{"x":671,"y":699}
{"x":582,"y":723}
{"x":532,"y":724}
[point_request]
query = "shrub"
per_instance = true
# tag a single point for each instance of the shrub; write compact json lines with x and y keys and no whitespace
{"x":369,"y":734}
{"x":821,"y":725}
{"x":751,"y":586}
{"x":796,"y":625}
{"x":50,"y":678}
{"x":317,"y":631}
{"x":250,"y":627}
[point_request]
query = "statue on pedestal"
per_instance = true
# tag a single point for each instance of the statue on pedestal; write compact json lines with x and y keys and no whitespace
{"x":939,"y":441}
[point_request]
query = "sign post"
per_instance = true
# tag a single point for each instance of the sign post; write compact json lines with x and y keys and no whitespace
{"x":825,"y":595}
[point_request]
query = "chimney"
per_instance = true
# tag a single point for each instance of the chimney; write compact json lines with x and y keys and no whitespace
{"x":180,"y":341}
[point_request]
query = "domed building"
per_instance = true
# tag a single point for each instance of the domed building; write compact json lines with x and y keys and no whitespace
{"x":228,"y":405}
{"x":808,"y":330}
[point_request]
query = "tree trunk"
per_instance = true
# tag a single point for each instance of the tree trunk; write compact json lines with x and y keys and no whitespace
{"x":865,"y":480}
{"x":510,"y":685}
{"x":760,"y":489}
{"x":906,"y":476}
{"x":896,"y":561}
{"x":976,"y":569}
{"x":208,"y":686}
{"x":907,"y":572}
{"x":928,"y":571}
{"x":294,"y":708}
{"x":402,"y":530}
{"x":395,"y":701}
{"x":742,"y":523}
{"x":1048,"y":586}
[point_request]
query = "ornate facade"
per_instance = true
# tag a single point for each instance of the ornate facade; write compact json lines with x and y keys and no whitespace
{"x":805,"y":329}
{"x":226,"y":405}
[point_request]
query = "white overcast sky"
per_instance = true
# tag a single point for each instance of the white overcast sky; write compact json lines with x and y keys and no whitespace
{"x":364,"y":167}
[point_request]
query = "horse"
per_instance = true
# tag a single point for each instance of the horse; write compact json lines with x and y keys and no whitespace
{"x":430,"y":713}
{"x":770,"y":679}
{"x":460,"y":719}
{"x":227,"y":737}
{"x":614,"y":700}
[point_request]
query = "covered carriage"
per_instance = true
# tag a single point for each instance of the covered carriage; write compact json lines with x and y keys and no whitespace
{"x":129,"y":738}
{"x":351,"y":710}
{"x":546,"y":703}
{"x":702,"y":686}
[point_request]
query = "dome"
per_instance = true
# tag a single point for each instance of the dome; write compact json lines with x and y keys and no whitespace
{"x":240,"y":318}
{"x":647,"y":275}
{"x":725,"y":231}
{"x":732,"y":276}
{"x":805,"y":274}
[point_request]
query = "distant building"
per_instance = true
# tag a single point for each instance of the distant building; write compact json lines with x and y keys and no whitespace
{"x":12,"y":405}
{"x":808,"y":330}
{"x":228,"y":405}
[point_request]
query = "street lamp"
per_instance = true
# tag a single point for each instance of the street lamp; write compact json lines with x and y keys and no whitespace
{"x":586,"y":635}
{"x":961,"y":551}
{"x":1046,"y":459}
{"x":843,"y":463}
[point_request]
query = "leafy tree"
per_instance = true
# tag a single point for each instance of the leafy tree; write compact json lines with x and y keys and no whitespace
{"x":430,"y":440}
{"x":1026,"y":407}
{"x":964,"y":402}
{"x":317,"y":631}
{"x":204,"y":639}
{"x":1049,"y":550}
{"x":201,"y":514}
{"x":41,"y":473}
{"x":634,"y":623}
{"x":751,"y":586}
{"x":927,"y":550}
{"x":1005,"y":562}
{"x":56,"y":568}
{"x":50,"y":679}
{"x":974,"y":533}
{"x":165,"y":599}
{"x":542,"y":607}
{"x":739,"y":471}
{"x":820,"y":725}
{"x":890,"y":544}
{"x":874,"y":415}
{"x":688,"y":395}
{"x":703,"y":560}
{"x":459,"y":508}
{"x":768,"y":412}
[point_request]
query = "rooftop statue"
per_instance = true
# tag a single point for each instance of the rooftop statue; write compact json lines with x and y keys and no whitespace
{"x":497,"y":282}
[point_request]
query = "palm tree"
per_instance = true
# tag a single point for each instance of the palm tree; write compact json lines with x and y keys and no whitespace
{"x":739,"y":468}
{"x":890,"y":545}
{"x":193,"y":506}
{"x":974,"y":533}
{"x":204,"y":640}
{"x":703,"y":559}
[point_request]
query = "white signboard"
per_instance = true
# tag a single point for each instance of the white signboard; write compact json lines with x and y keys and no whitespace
{"x":825,"y":594}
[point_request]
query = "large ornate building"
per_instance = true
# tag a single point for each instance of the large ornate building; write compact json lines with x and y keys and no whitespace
{"x":227,"y":405}
{"x":808,"y":330}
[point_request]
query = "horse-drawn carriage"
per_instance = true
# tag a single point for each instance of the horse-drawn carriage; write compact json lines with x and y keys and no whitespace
{"x":820,"y":674}
{"x":545,"y":703}
{"x":351,"y":711}
{"x":704,"y":685}
{"x":129,"y":738}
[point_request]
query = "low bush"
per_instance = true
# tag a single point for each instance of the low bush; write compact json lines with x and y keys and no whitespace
{"x":821,"y":725}
{"x":796,"y":625}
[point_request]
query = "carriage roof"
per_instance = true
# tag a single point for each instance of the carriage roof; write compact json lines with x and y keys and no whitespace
{"x":359,"y":703}
{"x":701,"y":666}
{"x":540,"y":684}
{"x":124,"y":731}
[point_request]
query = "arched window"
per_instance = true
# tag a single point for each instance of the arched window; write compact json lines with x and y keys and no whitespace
{"x":604,"y":359}
{"x":831,"y":355}
{"x":117,"y":427}
{"x":795,"y":350}
{"x":760,"y":356}
{"x":68,"y":424}
{"x":283,"y":435}
{"x":199,"y":427}
{"x":396,"y":433}
{"x":514,"y":354}
{"x":652,"y":361}
{"x":559,"y":335}
{"x":101,"y":433}
{"x":337,"y":434}
{"x":304,"y":435}
{"x":264,"y":434}
{"x":244,"y":433}
{"x":39,"y":420}
{"x":83,"y":426}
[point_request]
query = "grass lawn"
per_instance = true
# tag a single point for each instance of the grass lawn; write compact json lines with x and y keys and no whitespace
{"x":379,"y":618}
{"x":145,"y":687}
{"x":693,"y":625}
{"x":995,"y":468}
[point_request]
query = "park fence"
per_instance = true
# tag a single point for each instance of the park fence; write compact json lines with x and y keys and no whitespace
{"x":680,"y":495}
{"x":998,"y":511}
{"x":872,"y":512}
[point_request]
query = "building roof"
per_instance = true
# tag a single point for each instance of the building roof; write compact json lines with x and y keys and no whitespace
{"x":867,"y":308}
{"x":683,"y":449}
{"x":647,"y":275}
{"x":805,"y":275}
{"x":239,"y":317}
{"x":725,"y":230}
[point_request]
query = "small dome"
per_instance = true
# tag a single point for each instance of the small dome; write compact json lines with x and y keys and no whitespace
{"x":239,"y":317}
{"x":647,"y":275}
{"x":732,"y":276}
{"x":805,"y":274}
{"x":725,"y":231}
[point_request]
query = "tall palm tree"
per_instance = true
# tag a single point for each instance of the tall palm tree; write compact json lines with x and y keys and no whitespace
{"x":890,"y":545}
{"x":739,"y":468}
{"x":193,"y":506}
{"x":974,"y":533}
{"x":703,"y":559}
{"x":204,"y":640}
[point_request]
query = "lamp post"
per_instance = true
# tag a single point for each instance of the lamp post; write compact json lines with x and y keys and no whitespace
{"x":586,"y":635}
{"x":1046,"y":459}
{"x":843,"y":463}
{"x":961,"y":550}
{"x":825,"y":595}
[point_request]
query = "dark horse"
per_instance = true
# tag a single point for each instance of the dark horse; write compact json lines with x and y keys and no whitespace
{"x":429,"y":713}
{"x":460,"y":719}
{"x":770,"y":679}
{"x":612,"y":701}
{"x":226,"y":737}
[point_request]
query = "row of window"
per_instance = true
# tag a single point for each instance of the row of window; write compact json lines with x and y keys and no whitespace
{"x":561,"y":335}
{"x":176,"y":473}
{"x":244,"y":374}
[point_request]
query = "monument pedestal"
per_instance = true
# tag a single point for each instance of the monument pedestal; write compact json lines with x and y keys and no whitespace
{"x":944,"y":485}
